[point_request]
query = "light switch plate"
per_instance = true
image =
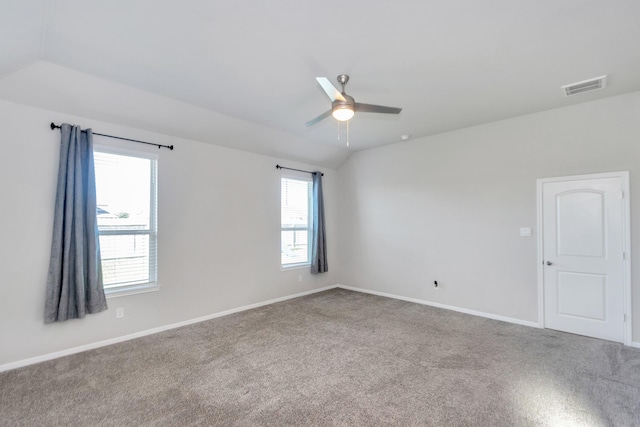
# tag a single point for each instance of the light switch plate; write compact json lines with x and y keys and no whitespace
{"x":525,"y":232}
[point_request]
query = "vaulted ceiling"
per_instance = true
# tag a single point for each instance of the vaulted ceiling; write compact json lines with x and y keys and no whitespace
{"x":192,"y":67}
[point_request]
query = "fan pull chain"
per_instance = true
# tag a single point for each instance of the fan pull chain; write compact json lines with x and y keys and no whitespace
{"x":348,"y":132}
{"x":340,"y":129}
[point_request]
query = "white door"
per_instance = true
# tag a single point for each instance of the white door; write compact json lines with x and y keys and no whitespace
{"x":583,"y":241}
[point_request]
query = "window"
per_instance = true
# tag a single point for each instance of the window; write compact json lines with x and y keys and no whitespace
{"x":295,"y":218}
{"x":126,"y":189}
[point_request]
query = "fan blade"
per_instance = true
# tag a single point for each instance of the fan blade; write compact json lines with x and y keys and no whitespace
{"x":330,"y":89}
{"x":319,"y":118}
{"x":370,"y":108}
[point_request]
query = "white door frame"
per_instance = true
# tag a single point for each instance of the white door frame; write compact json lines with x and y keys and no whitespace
{"x":626,"y":239}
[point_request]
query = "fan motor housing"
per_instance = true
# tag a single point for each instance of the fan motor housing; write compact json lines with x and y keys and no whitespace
{"x":350,"y":103}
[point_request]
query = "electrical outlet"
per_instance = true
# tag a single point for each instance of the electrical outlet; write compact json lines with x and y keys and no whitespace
{"x":119,"y":312}
{"x":300,"y":278}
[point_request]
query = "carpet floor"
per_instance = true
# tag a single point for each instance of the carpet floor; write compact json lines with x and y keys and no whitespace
{"x":335,"y":358}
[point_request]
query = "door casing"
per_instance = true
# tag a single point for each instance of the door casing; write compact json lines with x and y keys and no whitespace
{"x":626,"y":239}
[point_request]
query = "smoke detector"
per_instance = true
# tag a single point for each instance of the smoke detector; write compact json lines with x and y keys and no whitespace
{"x":584,"y":86}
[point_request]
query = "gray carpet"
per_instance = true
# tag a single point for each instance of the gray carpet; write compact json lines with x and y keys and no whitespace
{"x":335,"y":358}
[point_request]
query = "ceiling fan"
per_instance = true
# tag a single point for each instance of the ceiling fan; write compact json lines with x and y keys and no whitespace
{"x":343,"y":106}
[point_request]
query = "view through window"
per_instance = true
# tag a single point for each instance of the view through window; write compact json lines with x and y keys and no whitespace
{"x":295,"y":222}
{"x":126,"y":196}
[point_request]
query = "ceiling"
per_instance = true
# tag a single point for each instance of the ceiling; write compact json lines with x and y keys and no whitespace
{"x":204,"y":64}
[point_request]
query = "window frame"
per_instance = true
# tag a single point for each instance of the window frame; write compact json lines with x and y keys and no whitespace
{"x":153,"y":284}
{"x":298,"y":176}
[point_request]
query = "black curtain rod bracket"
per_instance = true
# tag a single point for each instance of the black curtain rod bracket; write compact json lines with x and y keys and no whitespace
{"x":170,"y":147}
{"x":299,"y":170}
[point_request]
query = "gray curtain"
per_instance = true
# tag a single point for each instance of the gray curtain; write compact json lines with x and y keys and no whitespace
{"x":318,"y":240}
{"x":74,"y":284}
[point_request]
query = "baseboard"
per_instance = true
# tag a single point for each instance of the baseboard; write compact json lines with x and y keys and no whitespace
{"x":79,"y":349}
{"x":447,"y":307}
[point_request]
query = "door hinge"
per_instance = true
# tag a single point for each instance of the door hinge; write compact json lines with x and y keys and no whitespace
{"x":624,"y":257}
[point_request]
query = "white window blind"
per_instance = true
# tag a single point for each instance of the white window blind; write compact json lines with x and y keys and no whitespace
{"x":127,"y":221}
{"x":295,"y":217}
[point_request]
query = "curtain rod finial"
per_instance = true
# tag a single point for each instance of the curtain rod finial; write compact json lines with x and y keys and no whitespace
{"x":53,"y":126}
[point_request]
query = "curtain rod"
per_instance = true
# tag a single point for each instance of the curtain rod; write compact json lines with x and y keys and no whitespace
{"x":170,"y":147}
{"x":299,"y":170}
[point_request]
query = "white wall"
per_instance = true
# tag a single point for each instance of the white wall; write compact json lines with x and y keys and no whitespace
{"x":449,"y":207}
{"x":446,"y":208}
{"x":219,"y":219}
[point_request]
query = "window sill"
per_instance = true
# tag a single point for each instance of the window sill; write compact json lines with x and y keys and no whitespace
{"x":131,"y":290}
{"x":294,"y":267}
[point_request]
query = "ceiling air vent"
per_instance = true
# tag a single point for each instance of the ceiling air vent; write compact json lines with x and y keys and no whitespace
{"x":584,"y":86}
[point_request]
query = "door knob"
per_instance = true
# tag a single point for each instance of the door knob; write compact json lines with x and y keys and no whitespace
{"x":549,"y":263}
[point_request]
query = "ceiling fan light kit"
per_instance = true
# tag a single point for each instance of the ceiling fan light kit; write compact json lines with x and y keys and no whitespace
{"x":343,"y":111}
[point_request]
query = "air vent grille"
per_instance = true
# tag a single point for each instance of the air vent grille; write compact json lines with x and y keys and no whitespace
{"x":584,"y":86}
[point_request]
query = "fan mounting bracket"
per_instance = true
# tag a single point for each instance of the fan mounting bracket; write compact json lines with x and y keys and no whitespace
{"x":343,"y":79}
